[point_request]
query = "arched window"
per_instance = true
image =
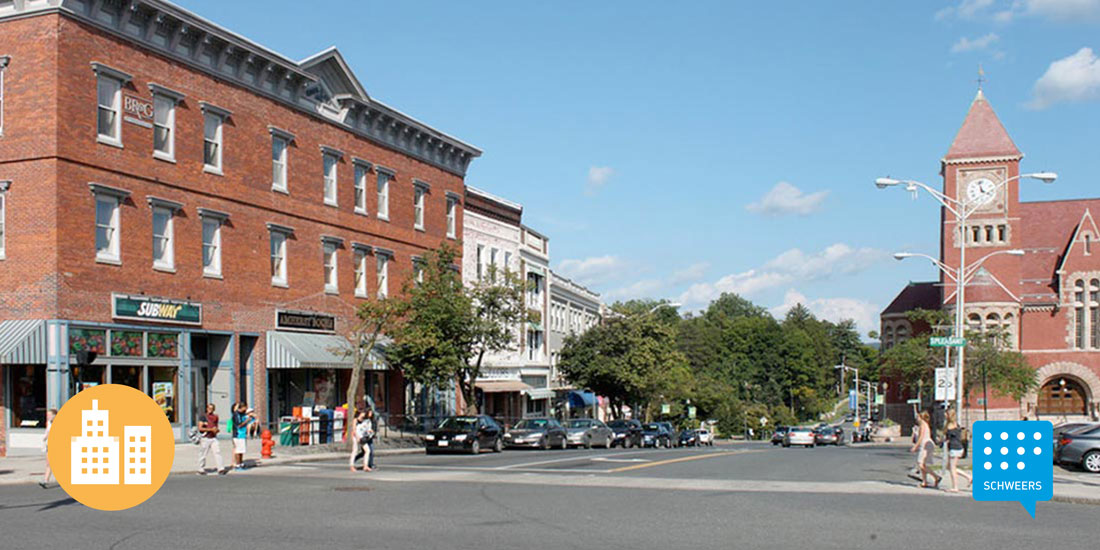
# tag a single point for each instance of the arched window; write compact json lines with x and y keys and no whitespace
{"x":887,"y":337}
{"x":1008,"y":327}
{"x":975,"y":322}
{"x":976,"y":234}
{"x":902,"y":334}
{"x":989,"y":233}
{"x":1079,"y":314}
{"x":1088,"y":244}
{"x":1094,"y":313}
{"x":992,"y":322}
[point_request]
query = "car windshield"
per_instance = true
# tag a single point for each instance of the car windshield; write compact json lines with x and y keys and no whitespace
{"x":458,"y":423}
{"x":533,"y":424}
{"x":577,"y":424}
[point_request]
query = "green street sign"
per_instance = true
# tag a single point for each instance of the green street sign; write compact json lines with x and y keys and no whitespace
{"x":947,"y":342}
{"x":691,"y":411}
{"x":666,"y":408}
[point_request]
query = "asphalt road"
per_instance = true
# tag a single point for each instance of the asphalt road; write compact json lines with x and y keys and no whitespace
{"x":738,"y":496}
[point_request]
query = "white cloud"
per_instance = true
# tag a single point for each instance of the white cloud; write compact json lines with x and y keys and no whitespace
{"x":646,"y":288}
{"x":789,"y":267}
{"x":970,"y":45}
{"x":595,"y":270}
{"x":690,"y":274}
{"x":865,"y":314}
{"x":1073,"y":78}
{"x":598,"y":176}
{"x":785,"y":198}
{"x":1005,"y":11}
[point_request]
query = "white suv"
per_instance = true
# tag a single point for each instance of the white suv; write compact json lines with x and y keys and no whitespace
{"x":706,"y":438}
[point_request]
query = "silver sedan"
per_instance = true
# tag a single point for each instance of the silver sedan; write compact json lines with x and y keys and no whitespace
{"x":588,"y":432}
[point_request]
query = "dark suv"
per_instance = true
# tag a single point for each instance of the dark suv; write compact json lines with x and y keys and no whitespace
{"x":628,"y":433}
{"x":468,"y":434}
{"x":780,"y":431}
{"x":656,"y":435}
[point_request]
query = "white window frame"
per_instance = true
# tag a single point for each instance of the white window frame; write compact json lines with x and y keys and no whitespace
{"x":330,"y":175}
{"x":480,"y":261}
{"x":493,"y":264}
{"x":360,"y":256}
{"x":115,"y":107}
{"x":420,"y":203}
{"x":112,"y":197}
{"x":169,"y":98}
{"x":277,"y":233}
{"x":164,"y":207}
{"x":418,"y":270}
{"x":330,"y":260}
{"x":219,"y":115}
{"x":383,"y":183}
{"x":217,"y":219}
{"x":359,"y":185}
{"x":4,"y":60}
{"x":452,"y":216}
{"x":382,"y":273}
{"x":278,"y":165}
{"x":4,"y":185}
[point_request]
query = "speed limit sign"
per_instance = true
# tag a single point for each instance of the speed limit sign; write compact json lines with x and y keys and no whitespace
{"x":945,"y":384}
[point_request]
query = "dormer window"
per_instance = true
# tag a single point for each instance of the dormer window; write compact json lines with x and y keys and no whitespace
{"x":318,"y":92}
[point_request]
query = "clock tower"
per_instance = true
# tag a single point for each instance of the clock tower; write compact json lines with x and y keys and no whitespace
{"x":980,"y":159}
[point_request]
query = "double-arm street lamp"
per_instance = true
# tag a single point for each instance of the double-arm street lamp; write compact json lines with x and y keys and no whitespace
{"x":962,"y":209}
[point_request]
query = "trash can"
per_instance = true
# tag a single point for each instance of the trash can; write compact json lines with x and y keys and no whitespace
{"x":325,"y":426}
{"x":288,"y":431}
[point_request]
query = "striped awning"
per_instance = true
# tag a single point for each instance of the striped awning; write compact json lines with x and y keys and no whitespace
{"x":539,"y":393}
{"x":294,"y":350}
{"x":499,"y":386}
{"x":23,"y":342}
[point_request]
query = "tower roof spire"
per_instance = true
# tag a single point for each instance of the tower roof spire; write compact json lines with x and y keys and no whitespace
{"x":981,"y":134}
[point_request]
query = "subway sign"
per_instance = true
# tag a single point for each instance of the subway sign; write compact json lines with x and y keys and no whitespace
{"x":162,"y":310}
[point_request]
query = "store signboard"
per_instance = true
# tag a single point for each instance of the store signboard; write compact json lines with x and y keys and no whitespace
{"x":163,"y":310}
{"x":307,"y":321}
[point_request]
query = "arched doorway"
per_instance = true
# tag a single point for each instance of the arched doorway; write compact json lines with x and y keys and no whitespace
{"x":1062,"y":395}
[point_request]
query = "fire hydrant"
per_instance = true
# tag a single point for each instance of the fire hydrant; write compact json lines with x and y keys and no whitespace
{"x":267,"y":443}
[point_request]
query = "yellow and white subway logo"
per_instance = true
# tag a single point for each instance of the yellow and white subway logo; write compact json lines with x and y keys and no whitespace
{"x":111,"y":447}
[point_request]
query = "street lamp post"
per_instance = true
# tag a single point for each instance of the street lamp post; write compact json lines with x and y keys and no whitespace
{"x":962,"y":209}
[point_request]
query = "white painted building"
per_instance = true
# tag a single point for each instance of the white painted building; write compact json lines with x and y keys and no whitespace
{"x":573,"y":310}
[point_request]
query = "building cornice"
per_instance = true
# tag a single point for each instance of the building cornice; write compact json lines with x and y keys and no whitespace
{"x":167,"y":29}
{"x":981,"y":160}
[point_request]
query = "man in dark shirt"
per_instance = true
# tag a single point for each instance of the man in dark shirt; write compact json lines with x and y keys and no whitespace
{"x":208,"y":427}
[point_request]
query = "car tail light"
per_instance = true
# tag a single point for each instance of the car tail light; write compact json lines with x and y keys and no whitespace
{"x":1065,"y":441}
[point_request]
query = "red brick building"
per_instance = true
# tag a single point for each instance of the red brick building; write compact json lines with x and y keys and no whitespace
{"x":1047,"y":301}
{"x":202,"y":212}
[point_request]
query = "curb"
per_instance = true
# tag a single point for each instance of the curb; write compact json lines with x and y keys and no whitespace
{"x":1077,"y":500}
{"x":318,"y":457}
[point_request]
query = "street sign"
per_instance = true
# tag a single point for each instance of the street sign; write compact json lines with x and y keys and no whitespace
{"x":665,"y":408}
{"x":853,"y":400}
{"x":945,"y":384}
{"x":880,"y":399}
{"x":763,"y":421}
{"x":691,"y":411}
{"x":912,"y":402}
{"x":947,"y":342}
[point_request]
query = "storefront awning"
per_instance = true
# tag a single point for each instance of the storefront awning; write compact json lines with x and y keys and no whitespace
{"x":22,"y":342}
{"x":293,"y":350}
{"x":498,"y":386}
{"x":581,"y":399}
{"x":540,"y":393}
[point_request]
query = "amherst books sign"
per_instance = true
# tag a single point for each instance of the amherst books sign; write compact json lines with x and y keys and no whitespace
{"x":298,"y":320}
{"x":145,"y":308}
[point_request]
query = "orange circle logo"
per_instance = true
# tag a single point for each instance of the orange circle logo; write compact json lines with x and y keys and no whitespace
{"x":111,"y":447}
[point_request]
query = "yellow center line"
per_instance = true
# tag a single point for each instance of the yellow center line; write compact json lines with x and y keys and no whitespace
{"x":681,"y":459}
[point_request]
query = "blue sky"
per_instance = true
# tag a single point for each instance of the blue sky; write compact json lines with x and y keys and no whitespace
{"x":677,"y":153}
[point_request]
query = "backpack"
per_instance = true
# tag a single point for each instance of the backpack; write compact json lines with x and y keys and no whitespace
{"x":194,"y":435}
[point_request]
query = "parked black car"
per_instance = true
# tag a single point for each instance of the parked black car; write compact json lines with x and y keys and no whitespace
{"x":541,"y":433}
{"x":468,"y":434}
{"x":655,"y":435}
{"x":689,"y":438}
{"x":628,"y":433}
{"x":1081,"y":448}
{"x":780,"y":431}
{"x":672,"y":433}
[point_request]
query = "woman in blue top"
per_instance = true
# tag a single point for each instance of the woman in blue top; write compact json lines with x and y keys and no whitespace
{"x":241,"y":421}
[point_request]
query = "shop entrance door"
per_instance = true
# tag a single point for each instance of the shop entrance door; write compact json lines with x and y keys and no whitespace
{"x":219,"y":389}
{"x":247,"y":345}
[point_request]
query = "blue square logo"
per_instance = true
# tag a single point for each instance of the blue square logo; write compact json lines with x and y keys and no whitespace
{"x":1013,"y":460}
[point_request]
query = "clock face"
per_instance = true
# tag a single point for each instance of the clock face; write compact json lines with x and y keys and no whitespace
{"x":980,"y":191}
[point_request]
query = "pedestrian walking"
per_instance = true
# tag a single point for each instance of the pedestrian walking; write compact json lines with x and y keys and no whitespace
{"x":242,"y":420}
{"x":46,"y":449}
{"x":372,"y":422}
{"x":956,"y":446}
{"x":208,"y":427}
{"x":925,"y":449}
{"x":360,"y":447}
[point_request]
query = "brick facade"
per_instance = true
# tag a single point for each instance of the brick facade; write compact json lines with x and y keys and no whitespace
{"x":49,"y":152}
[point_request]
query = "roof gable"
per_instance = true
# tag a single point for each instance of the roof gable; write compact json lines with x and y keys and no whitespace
{"x":981,"y":135}
{"x":331,"y":68}
{"x":1086,"y":228}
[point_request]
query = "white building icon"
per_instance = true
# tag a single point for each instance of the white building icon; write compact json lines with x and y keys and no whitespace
{"x":137,"y":444}
{"x":95,"y":453}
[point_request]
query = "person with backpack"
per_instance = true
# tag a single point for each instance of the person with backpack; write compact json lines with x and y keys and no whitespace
{"x":361,"y":445}
{"x":957,"y":439}
{"x":241,"y":422}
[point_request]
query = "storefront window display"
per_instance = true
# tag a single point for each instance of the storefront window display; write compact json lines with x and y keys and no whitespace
{"x":126,"y":343}
{"x":28,"y":406}
{"x":81,"y":339}
{"x":127,"y":376}
{"x":163,"y":345}
{"x":163,"y":386}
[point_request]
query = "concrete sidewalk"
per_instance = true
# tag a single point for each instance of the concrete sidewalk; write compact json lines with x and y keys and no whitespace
{"x":29,"y":468}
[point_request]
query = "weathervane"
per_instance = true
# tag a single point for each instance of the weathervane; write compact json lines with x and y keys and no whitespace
{"x":981,"y":77}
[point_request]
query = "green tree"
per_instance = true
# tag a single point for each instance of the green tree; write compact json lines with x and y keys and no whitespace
{"x":1003,"y":371}
{"x":374,"y":319}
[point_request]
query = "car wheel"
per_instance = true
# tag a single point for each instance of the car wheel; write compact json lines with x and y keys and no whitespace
{"x":564,"y":443}
{"x":786,"y":445}
{"x":429,"y":451}
{"x":587,"y":442}
{"x":545,"y":444}
{"x":498,"y":446}
{"x":475,"y":447}
{"x":1091,"y":462}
